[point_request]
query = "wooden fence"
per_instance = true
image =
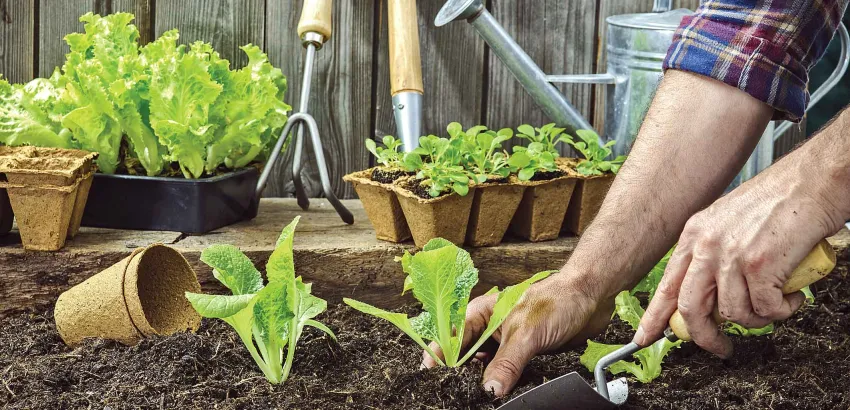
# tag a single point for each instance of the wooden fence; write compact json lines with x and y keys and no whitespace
{"x":351,"y":100}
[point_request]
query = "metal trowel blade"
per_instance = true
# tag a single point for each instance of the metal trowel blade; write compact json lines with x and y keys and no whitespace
{"x":568,"y":392}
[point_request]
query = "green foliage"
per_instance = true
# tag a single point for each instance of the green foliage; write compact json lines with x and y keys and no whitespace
{"x":268,"y":319}
{"x":169,"y":103}
{"x":548,"y":136}
{"x":541,"y":152}
{"x":482,"y":148}
{"x":441,"y":171}
{"x":388,"y":155}
{"x":441,"y":277}
{"x":595,"y":155}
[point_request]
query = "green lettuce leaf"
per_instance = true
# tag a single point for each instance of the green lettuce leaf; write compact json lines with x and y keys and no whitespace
{"x":28,"y":115}
{"x":219,"y":306}
{"x":233,"y":269}
{"x":281,"y":264}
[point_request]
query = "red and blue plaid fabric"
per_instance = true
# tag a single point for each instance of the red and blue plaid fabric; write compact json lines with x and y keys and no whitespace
{"x":763,"y":47}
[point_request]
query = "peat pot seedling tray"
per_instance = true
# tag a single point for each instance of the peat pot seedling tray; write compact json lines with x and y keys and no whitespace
{"x":172,"y":204}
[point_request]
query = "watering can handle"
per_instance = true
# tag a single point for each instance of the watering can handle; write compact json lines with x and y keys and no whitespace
{"x":831,"y":81}
{"x":316,"y":18}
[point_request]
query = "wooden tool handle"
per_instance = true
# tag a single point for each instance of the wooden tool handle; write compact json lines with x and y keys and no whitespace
{"x":405,"y":62}
{"x":316,"y":17}
{"x":814,"y":267}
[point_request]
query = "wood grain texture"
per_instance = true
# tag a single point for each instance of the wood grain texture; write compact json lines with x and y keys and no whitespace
{"x":17,"y":45}
{"x":142,"y":9}
{"x":405,"y":58}
{"x":57,"y":19}
{"x":341,"y":92}
{"x":226,"y":24}
{"x":452,"y":72}
{"x":559,"y":36}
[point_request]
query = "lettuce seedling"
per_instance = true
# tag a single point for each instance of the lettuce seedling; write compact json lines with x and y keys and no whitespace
{"x":527,"y":161}
{"x":442,"y":169}
{"x":594,"y":162}
{"x":268,"y":319}
{"x":482,"y":149}
{"x":389,"y":155}
{"x":548,"y":135}
{"x":441,"y":277}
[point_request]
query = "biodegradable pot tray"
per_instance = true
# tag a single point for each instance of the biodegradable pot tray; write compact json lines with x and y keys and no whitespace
{"x":543,"y":207}
{"x":493,"y":207}
{"x":442,"y":217}
{"x":172,"y":204}
{"x":586,"y":201}
{"x":141,"y":296}
{"x":381,"y":205}
{"x":6,"y":214}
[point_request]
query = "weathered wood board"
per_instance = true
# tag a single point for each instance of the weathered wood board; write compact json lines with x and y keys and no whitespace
{"x":17,"y":40}
{"x":342,"y":260}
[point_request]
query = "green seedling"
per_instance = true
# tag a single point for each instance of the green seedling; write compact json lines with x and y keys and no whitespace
{"x":388,"y":155}
{"x":441,"y":277}
{"x":268,"y":319}
{"x":595,"y":162}
{"x":482,"y":149}
{"x":442,"y":169}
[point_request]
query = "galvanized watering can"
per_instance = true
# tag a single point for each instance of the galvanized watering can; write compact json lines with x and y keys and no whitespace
{"x":637,"y":45}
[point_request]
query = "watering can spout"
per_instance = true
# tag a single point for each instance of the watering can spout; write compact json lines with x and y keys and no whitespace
{"x":554,"y":104}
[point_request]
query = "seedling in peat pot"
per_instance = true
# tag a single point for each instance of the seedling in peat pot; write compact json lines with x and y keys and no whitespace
{"x":442,"y":170}
{"x":540,"y":154}
{"x":482,"y":152}
{"x":388,"y":155}
{"x":269,"y":319}
{"x":594,"y":162}
{"x":441,"y":277}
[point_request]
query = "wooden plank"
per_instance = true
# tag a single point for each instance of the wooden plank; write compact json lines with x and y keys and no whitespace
{"x":559,"y":36}
{"x":142,"y":9}
{"x":452,"y":71}
{"x":226,"y":24}
{"x":17,"y":44}
{"x":343,"y":260}
{"x":57,"y":19}
{"x":341,"y":92}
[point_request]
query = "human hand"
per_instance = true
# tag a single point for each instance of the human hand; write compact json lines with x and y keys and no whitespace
{"x":735,"y":256}
{"x":550,"y":315}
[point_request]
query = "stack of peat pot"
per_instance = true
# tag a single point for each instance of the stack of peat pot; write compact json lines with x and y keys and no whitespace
{"x":536,"y":210}
{"x":47,"y":189}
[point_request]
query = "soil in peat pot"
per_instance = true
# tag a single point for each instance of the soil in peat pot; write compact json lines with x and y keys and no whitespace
{"x":388,"y":177}
{"x":415,"y":186}
{"x":805,"y":364}
{"x":547,"y":175}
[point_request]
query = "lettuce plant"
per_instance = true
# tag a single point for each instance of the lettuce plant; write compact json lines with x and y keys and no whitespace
{"x":28,"y":115}
{"x":268,"y":319}
{"x":441,"y":277}
{"x":482,"y":149}
{"x":548,"y":136}
{"x":442,"y":169}
{"x":541,"y":152}
{"x":388,"y":155}
{"x":595,"y":162}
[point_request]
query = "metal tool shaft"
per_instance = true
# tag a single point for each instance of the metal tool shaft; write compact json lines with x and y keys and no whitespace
{"x":603,"y":363}
{"x":300,"y":191}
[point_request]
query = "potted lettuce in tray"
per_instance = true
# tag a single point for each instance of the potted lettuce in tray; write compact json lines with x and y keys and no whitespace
{"x":180,"y":135}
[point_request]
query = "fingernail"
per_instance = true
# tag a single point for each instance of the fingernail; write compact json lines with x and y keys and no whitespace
{"x":638,"y":335}
{"x":495,"y":387}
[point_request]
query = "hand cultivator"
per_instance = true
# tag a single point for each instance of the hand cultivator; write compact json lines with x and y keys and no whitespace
{"x":315,"y":29}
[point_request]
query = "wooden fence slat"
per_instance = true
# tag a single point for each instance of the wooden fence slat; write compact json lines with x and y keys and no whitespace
{"x":452,"y":72}
{"x":341,"y":92}
{"x":226,"y":24}
{"x":56,"y":20}
{"x":17,"y":33}
{"x":559,"y":37}
{"x":143,"y":12}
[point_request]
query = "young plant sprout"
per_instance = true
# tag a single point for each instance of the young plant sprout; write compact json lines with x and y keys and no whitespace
{"x":442,"y":170}
{"x":268,"y":319}
{"x":388,"y":155}
{"x":441,"y":277}
{"x":484,"y":156}
{"x":548,"y":135}
{"x":594,"y":162}
{"x":541,"y":152}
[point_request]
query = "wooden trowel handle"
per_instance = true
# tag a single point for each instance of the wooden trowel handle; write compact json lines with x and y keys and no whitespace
{"x":814,"y":267}
{"x":405,"y":62}
{"x":316,"y":18}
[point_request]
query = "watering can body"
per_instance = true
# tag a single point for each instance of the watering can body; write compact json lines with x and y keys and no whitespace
{"x":635,"y":50}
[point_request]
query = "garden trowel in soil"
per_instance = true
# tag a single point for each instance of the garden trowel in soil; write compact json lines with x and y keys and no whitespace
{"x":405,"y":71}
{"x":314,"y":28}
{"x":571,"y":391}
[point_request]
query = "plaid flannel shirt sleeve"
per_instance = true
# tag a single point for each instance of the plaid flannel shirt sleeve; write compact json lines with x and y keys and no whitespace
{"x":763,"y":47}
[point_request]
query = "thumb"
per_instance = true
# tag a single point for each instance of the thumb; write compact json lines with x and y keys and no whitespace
{"x":504,"y":371}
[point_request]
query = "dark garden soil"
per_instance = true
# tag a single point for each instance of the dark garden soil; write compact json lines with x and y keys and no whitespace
{"x":547,"y":175}
{"x":388,"y":176}
{"x":415,"y":186}
{"x":805,"y":364}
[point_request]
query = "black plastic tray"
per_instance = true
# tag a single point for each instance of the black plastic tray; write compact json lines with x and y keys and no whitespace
{"x":6,"y":215}
{"x":172,"y":204}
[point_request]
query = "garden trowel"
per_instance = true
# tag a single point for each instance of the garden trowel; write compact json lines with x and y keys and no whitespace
{"x":571,"y":391}
{"x":405,"y":71}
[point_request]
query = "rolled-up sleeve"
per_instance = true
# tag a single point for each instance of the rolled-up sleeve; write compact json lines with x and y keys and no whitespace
{"x":763,"y":47}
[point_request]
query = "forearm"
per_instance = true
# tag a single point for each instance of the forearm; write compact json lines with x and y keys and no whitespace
{"x":696,"y":136}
